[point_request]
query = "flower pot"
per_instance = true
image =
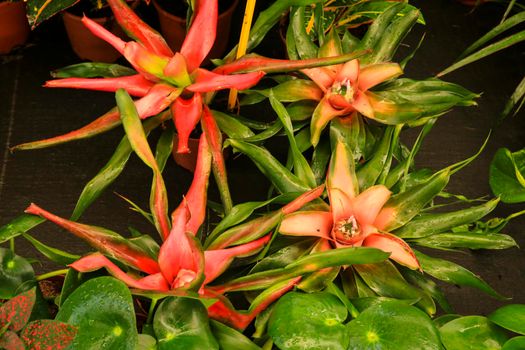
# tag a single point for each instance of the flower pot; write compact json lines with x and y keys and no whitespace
{"x":173,"y":27}
{"x":186,"y":160}
{"x":86,"y":45}
{"x":14,"y":28}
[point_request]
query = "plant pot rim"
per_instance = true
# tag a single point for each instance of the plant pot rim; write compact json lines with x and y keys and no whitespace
{"x":229,"y":11}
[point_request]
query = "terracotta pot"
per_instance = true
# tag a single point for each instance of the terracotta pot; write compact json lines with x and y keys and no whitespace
{"x":173,"y":29}
{"x":88,"y":46}
{"x":186,"y":160}
{"x":14,"y":28}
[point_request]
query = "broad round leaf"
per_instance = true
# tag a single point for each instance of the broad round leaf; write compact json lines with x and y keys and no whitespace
{"x":16,"y":274}
{"x":472,"y":332}
{"x":516,"y":343}
{"x":392,"y":325}
{"x":102,"y":310}
{"x":182,"y":323}
{"x":309,"y":321}
{"x":511,"y":317}
{"x":10,"y":341}
{"x":230,"y":338}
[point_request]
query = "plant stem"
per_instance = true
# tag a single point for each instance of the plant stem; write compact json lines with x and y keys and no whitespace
{"x":12,"y":245}
{"x":151,"y":309}
{"x":51,"y":274}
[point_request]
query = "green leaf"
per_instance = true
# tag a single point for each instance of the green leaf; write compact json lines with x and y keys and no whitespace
{"x":429,"y":224}
{"x":385,"y":280}
{"x":487,"y":51}
{"x":301,"y":167}
{"x":392,"y":325}
{"x":92,"y":70}
{"x":507,"y":179}
{"x":309,"y":321}
{"x":511,"y":317}
{"x":281,"y":177}
{"x":73,"y":280}
{"x":53,"y":254}
{"x":15,"y":312}
{"x":102,"y":310}
{"x":303,"y":42}
{"x":516,"y":343}
{"x":16,"y":274}
{"x":231,"y":339}
{"x":231,"y":126}
{"x":450,"y":272}
{"x":146,"y":342}
{"x":429,"y":286}
{"x":41,"y":10}
{"x":48,"y":334}
{"x":517,"y":95}
{"x":111,"y":171}
{"x":472,"y":332}
{"x":305,"y":265}
{"x":19,"y":225}
{"x":182,"y":323}
{"x":443,"y":319}
{"x":138,"y":141}
{"x":467,"y":240}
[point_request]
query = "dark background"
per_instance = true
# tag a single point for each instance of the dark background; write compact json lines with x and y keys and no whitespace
{"x":53,"y":178}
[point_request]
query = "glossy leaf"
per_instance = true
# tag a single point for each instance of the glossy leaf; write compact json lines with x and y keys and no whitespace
{"x":467,"y":240}
{"x":301,"y":167}
{"x":56,"y":255}
{"x":15,"y":313}
{"x":471,"y":332}
{"x":305,"y":265}
{"x":429,"y":286}
{"x":41,"y":10}
{"x":281,"y":177}
{"x":507,"y":179}
{"x":231,"y":339}
{"x":231,"y":126}
{"x":102,"y":310}
{"x":137,"y":138}
{"x":392,"y":325}
{"x":112,"y":170}
{"x":385,"y":280}
{"x":309,"y":321}
{"x":48,"y":334}
{"x":450,"y":272}
{"x":16,"y":274}
{"x":511,"y":317}
{"x":431,"y":223}
{"x":516,"y":343}
{"x":18,"y":226}
{"x":443,"y":319}
{"x":182,"y":323}
{"x":92,"y":70}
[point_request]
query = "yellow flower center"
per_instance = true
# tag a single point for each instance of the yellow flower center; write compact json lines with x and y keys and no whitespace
{"x":345,"y":89}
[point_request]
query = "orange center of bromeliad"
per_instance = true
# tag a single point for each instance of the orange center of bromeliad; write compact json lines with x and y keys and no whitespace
{"x":347,"y":231}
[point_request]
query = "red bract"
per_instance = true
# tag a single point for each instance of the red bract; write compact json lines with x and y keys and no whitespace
{"x":165,"y":79}
{"x":354,"y":219}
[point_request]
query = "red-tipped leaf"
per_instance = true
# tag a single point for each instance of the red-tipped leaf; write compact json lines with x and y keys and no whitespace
{"x":303,"y":199}
{"x":105,"y":241}
{"x":98,"y":261}
{"x":201,"y":35}
{"x":307,"y":223}
{"x":135,"y":85}
{"x":206,"y":81}
{"x":399,"y":250}
{"x":216,"y":261}
{"x":104,"y":34}
{"x":160,"y":97}
{"x":138,"y":29}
